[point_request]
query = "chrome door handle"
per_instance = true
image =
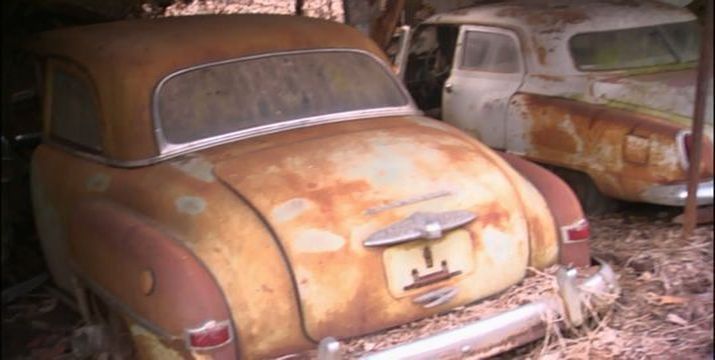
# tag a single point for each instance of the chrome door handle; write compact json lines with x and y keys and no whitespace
{"x":448,"y":87}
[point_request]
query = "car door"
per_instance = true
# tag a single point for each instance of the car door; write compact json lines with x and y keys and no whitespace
{"x":488,"y":69}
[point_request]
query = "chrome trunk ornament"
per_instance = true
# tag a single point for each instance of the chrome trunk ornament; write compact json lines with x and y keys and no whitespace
{"x":420,"y":225}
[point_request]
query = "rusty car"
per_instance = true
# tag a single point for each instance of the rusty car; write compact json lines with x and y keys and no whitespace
{"x":602,"y":92}
{"x":254,"y":186}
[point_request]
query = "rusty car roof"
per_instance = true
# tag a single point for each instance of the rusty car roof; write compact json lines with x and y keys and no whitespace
{"x":546,"y":25}
{"x":126,"y":59}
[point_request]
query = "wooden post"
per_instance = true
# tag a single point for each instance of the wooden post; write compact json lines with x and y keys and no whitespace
{"x":705,"y":68}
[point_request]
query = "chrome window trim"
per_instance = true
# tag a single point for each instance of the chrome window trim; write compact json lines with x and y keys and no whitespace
{"x":410,"y":109}
{"x":171,"y":149}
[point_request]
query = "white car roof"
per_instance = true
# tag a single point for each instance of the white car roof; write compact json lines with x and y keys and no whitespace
{"x":545,"y":26}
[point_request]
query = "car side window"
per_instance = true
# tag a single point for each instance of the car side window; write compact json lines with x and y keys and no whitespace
{"x":490,"y":52}
{"x":74,"y":116}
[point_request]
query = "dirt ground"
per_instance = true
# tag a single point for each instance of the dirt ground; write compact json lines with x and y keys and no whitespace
{"x":665,"y":310}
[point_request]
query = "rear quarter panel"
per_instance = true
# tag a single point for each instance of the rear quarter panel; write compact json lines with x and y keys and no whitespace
{"x":182,"y":201}
{"x":590,"y":138}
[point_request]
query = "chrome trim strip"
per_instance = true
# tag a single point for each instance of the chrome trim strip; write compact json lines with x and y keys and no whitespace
{"x":172,"y":149}
{"x":676,"y":194}
{"x":436,"y":297}
{"x":166,"y":148}
{"x":504,"y":331}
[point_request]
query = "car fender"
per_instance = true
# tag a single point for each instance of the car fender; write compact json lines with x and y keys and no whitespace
{"x":563,"y":203}
{"x":144,"y":274}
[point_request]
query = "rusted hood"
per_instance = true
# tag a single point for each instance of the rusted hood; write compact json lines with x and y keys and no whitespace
{"x":324,"y":196}
{"x":670,"y":92}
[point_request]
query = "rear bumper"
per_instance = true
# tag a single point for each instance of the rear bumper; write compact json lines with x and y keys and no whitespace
{"x":506,"y":330}
{"x":675,"y":195}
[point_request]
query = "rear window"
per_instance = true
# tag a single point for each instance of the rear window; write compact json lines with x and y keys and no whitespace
{"x":250,"y":93}
{"x":636,"y":47}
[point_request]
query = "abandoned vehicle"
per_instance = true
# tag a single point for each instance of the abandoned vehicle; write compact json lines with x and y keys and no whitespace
{"x":247,"y":186}
{"x":600,"y":91}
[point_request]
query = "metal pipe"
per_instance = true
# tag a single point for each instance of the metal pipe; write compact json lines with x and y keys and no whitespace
{"x":704,"y":75}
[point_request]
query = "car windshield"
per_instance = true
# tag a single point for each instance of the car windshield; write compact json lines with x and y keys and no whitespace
{"x":637,"y":47}
{"x":227,"y":97}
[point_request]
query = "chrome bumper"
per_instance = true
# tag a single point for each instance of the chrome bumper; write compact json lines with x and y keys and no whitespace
{"x":506,"y":330}
{"x":675,"y":195}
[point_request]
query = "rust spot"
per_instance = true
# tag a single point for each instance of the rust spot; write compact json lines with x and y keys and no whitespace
{"x":535,"y":227}
{"x":456,"y":153}
{"x":493,"y":215}
{"x":541,"y":52}
{"x":267,"y":289}
{"x":550,"y":138}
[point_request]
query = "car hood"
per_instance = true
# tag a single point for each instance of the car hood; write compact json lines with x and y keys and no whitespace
{"x":324,"y":196}
{"x":671,"y":92}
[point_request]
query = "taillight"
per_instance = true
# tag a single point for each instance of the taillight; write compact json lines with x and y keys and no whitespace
{"x":213,"y":334}
{"x":576,"y":232}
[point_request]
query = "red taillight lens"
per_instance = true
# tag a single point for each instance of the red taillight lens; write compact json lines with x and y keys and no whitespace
{"x":211,"y":335}
{"x":577,"y":231}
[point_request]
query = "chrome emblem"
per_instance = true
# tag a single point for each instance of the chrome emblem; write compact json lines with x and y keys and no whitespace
{"x":420,"y":225}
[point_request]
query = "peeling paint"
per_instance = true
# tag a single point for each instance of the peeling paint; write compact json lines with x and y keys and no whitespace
{"x":499,"y":245}
{"x":98,"y":182}
{"x":191,"y":205}
{"x":317,"y":241}
{"x":290,"y":209}
{"x":196,"y":167}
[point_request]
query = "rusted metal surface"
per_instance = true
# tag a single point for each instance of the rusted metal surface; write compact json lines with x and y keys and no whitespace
{"x":544,"y":26}
{"x":126,"y":59}
{"x":625,"y":128}
{"x":321,"y":221}
{"x":563,"y":204}
{"x":271,"y":229}
{"x":330,"y":210}
{"x":132,"y":245}
{"x":625,"y":153}
{"x":705,"y":83}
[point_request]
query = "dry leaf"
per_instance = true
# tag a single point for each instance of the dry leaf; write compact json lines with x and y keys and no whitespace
{"x":669,"y":299}
{"x":675,"y":319}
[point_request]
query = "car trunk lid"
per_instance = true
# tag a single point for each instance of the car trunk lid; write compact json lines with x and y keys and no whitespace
{"x":345,"y":208}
